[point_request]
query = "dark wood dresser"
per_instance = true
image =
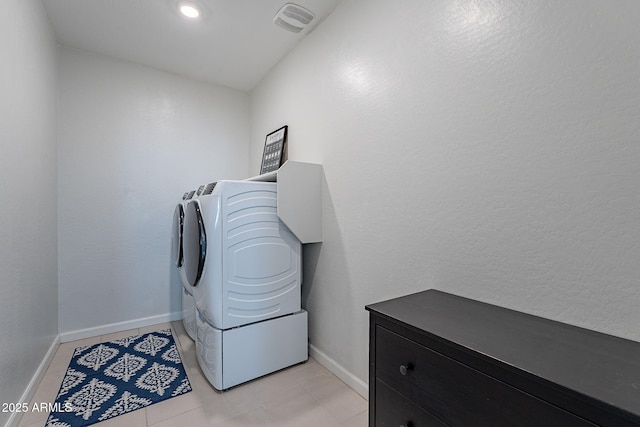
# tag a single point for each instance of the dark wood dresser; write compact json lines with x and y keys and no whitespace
{"x":437,"y":359}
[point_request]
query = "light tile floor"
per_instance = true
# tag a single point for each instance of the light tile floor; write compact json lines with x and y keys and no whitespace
{"x":304,"y":395}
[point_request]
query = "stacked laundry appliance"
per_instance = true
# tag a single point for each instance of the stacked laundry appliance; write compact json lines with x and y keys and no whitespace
{"x":244,"y":266}
{"x":177,"y":257}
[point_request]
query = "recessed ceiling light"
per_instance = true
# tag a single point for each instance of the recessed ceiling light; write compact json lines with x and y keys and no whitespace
{"x":189,"y":10}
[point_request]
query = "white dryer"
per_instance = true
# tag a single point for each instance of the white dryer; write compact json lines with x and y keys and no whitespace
{"x":177,"y":256}
{"x":243,"y":263}
{"x":245,"y":269}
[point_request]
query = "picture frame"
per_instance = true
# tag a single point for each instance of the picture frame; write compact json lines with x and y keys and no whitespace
{"x":273,"y":155}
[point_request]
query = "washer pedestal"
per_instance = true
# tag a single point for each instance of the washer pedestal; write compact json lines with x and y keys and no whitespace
{"x":234,"y":356}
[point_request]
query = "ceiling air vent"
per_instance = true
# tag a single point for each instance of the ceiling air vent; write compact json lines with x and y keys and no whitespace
{"x":293,"y":18}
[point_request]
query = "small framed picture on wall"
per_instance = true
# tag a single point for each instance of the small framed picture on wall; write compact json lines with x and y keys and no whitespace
{"x":273,"y":150}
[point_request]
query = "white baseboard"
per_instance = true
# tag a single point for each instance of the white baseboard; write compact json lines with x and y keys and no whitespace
{"x":339,"y":371}
{"x":120,"y":326}
{"x":30,"y":391}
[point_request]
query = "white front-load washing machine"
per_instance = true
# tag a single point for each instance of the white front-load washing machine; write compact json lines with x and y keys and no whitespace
{"x":177,"y":256}
{"x":244,"y":266}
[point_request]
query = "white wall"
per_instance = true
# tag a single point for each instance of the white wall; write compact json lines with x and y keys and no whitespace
{"x":131,"y":141}
{"x":28,"y":257}
{"x":485,"y":148}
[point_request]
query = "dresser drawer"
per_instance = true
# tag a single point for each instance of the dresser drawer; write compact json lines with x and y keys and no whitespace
{"x":395,"y":410}
{"x":455,"y":393}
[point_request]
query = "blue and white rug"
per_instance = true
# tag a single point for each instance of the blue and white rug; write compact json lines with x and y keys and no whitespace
{"x":113,"y":378}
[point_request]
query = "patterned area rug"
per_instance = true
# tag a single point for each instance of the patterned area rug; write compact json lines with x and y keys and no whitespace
{"x":112,"y":378}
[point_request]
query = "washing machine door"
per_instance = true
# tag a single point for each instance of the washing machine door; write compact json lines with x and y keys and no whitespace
{"x":194,"y":243}
{"x":176,"y":236}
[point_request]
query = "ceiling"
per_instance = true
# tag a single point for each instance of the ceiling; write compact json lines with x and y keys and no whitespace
{"x":235,"y":43}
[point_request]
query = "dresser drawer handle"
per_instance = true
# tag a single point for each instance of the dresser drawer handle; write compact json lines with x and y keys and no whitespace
{"x":404,"y":369}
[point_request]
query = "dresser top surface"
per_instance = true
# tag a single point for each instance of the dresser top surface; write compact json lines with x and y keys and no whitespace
{"x":600,"y":366}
